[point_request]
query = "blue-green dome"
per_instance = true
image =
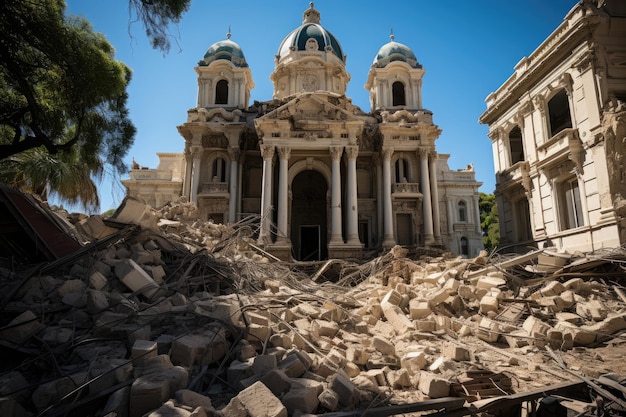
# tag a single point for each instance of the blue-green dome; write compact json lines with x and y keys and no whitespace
{"x":394,"y":51}
{"x":227,"y":50}
{"x":311,"y":29}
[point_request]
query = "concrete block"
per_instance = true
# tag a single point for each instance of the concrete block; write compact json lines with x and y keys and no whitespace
{"x":396,"y":317}
{"x":433,"y":386}
{"x":302,"y":399}
{"x":238,"y":371}
{"x":142,"y":350}
{"x":419,"y":309}
{"x":97,"y":301}
{"x":488,"y":303}
{"x":135,"y":278}
{"x":488,"y":330}
{"x":552,"y":288}
{"x":357,"y":355}
{"x":188,"y":349}
{"x":399,"y":379}
{"x":490,"y":282}
{"x":580,"y":335}
{"x":611,"y":325}
{"x":467,"y":292}
{"x":97,"y":280}
{"x":264,"y":363}
{"x":147,"y":393}
{"x":321,"y":327}
{"x":10,"y":407}
{"x":156,"y":272}
{"x":71,"y":286}
{"x":383,"y":345}
{"x":258,"y":401}
{"x":347,"y":391}
{"x":118,"y":403}
{"x":292,"y":366}
{"x":456,"y":353}
{"x":425,"y":325}
{"x":517,"y":338}
{"x":437,"y":296}
{"x":277,"y":382}
{"x":22,"y":328}
{"x":329,"y":399}
{"x":414,"y":362}
{"x":535,"y":327}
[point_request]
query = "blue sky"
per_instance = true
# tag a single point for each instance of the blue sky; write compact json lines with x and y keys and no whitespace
{"x":468,"y":49}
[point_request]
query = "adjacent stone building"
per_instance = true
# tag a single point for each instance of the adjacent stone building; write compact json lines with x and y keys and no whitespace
{"x":329,"y":180}
{"x":557,"y":127}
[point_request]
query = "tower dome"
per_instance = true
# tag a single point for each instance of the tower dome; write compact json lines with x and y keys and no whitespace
{"x":310,"y":36}
{"x":395,"y":51}
{"x":227,"y":50}
{"x":309,"y":59}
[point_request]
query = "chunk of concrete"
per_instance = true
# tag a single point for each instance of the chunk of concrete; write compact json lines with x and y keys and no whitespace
{"x":433,"y":386}
{"x":302,"y":399}
{"x":135,"y":278}
{"x":22,"y":328}
{"x":258,"y":401}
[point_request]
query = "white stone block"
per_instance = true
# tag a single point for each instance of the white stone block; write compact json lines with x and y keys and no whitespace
{"x":135,"y":278}
{"x":258,"y":401}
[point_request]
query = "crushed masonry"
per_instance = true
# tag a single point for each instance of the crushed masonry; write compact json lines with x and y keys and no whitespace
{"x":161,"y":313}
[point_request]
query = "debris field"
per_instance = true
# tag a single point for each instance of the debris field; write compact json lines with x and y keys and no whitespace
{"x":159,"y":313}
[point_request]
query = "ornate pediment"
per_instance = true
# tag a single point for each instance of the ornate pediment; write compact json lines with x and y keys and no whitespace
{"x":312,"y":110}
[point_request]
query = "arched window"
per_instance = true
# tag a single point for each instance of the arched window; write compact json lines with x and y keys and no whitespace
{"x":464,"y":246}
{"x":402,"y":170}
{"x":462,"y":211}
{"x":558,"y":109}
{"x":218,"y":170}
{"x":399,"y":98}
{"x":516,"y":147}
{"x":221,"y":92}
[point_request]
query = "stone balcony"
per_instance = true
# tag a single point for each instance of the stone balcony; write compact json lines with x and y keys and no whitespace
{"x":150,"y":175}
{"x":565,"y":142}
{"x":405,"y":189}
{"x":213,"y":188}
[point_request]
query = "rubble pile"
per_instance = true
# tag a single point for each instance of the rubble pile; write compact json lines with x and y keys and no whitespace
{"x":165,"y":314}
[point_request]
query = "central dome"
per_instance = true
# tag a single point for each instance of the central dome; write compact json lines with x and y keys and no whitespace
{"x":310,"y":36}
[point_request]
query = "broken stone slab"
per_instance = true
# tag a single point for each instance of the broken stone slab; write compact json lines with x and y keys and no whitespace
{"x":258,"y":401}
{"x":136,"y":279}
{"x":433,"y":386}
{"x":21,"y":328}
{"x":348,"y":392}
{"x":488,"y":330}
{"x":301,"y":399}
{"x":52,"y":392}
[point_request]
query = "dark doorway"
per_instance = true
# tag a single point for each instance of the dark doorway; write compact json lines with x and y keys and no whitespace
{"x":308,"y":216}
{"x":310,"y":243}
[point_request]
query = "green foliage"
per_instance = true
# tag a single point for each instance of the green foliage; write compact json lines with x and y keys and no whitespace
{"x":156,"y":16}
{"x":489,"y":222}
{"x":62,"y":96}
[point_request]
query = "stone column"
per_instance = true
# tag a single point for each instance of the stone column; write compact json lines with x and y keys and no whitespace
{"x":267,"y":152}
{"x":476,"y":208}
{"x":379,"y":197}
{"x":188,"y":174}
{"x":233,"y":152}
{"x":284,"y":153}
{"x":352,"y":228}
{"x":435,"y":195}
{"x":335,"y":198}
{"x":389,"y":240}
{"x":427,"y":205}
{"x":195,"y":180}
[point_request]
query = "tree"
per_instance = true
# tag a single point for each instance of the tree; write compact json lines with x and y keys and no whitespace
{"x":156,"y":16}
{"x":489,"y":221}
{"x":62,"y":94}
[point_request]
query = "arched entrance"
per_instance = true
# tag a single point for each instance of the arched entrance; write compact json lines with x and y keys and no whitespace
{"x":308,"y":216}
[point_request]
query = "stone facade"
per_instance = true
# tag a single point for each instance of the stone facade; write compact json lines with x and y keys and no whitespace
{"x":557,"y":128}
{"x":328,"y":179}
